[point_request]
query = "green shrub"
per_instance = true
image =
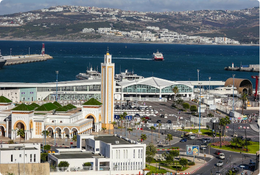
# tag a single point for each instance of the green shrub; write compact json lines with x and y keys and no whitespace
{"x":44,"y":157}
{"x":10,"y":142}
{"x":57,"y":104}
{"x":87,"y":164}
{"x":47,"y":147}
{"x":191,"y":163}
{"x":186,"y":106}
{"x":193,"y":108}
{"x":63,"y":164}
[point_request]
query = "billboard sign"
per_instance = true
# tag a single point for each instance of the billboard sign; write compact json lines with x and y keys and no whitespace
{"x":192,"y":150}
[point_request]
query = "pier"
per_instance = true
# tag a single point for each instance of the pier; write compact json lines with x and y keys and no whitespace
{"x":23,"y":59}
{"x":245,"y":68}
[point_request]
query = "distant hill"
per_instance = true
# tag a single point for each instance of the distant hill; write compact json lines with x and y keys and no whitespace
{"x":67,"y":23}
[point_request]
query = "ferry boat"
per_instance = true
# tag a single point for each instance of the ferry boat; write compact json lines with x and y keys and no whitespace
{"x":2,"y":61}
{"x":89,"y":75}
{"x":127,"y":76}
{"x":158,"y":56}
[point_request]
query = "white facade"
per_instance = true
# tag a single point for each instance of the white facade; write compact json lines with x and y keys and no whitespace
{"x":20,"y":153}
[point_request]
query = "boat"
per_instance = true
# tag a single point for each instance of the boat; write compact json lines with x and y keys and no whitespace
{"x":89,"y":75}
{"x":158,"y":56}
{"x":2,"y":61}
{"x":127,"y":76}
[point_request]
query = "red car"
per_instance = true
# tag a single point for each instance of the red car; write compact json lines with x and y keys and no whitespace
{"x":217,"y":152}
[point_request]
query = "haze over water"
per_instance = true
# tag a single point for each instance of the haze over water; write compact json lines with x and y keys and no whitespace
{"x":180,"y":64}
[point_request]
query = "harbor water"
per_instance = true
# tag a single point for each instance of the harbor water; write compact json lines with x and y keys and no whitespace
{"x":180,"y":61}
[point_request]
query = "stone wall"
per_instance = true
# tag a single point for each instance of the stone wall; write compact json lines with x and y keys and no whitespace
{"x":27,"y":169}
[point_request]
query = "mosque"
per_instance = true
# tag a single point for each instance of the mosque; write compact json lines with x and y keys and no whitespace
{"x":62,"y":121}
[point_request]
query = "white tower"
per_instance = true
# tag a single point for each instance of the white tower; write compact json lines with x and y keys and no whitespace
{"x":107,"y":91}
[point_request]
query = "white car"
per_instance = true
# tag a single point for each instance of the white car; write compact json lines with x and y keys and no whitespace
{"x":221,"y":156}
{"x":220,"y":163}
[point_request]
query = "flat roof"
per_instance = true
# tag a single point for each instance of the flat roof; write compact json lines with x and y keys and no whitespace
{"x":14,"y":149}
{"x":74,"y":155}
{"x":112,"y":140}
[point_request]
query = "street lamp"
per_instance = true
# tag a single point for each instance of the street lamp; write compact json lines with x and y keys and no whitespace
{"x":57,"y":73}
{"x":209,"y":82}
{"x":233,"y":108}
{"x":246,"y":137}
{"x":55,"y":134}
{"x":198,"y":74}
{"x":10,"y":52}
{"x":199,"y":107}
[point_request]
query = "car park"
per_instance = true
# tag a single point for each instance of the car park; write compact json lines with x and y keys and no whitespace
{"x":220,"y":163}
{"x":221,"y":156}
{"x":183,"y":140}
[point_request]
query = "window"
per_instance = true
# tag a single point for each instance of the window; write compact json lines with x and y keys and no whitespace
{"x":138,"y":153}
{"x":141,"y":153}
{"x":12,"y":158}
{"x":97,"y":149}
{"x":20,"y":155}
{"x":34,"y":157}
{"x":124,"y":154}
{"x":134,"y":154}
{"x":30,"y":157}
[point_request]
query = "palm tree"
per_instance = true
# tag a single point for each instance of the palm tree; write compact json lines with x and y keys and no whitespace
{"x":244,"y":99}
{"x":159,"y":127}
{"x":129,"y":130}
{"x":152,"y":128}
{"x":175,"y":90}
{"x":20,"y":133}
{"x":169,"y":137}
{"x":223,"y":122}
{"x":45,"y":133}
{"x":113,"y":123}
{"x":104,"y":129}
{"x":121,"y":119}
{"x":143,"y":137}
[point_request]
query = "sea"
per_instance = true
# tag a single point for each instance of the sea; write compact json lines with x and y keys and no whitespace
{"x":181,"y":62}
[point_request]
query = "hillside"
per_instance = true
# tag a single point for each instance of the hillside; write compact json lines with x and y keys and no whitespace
{"x":68,"y":22}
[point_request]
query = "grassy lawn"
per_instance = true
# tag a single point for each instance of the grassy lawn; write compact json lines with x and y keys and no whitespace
{"x":252,"y":148}
{"x":195,"y":131}
{"x":173,"y":167}
{"x":155,"y":170}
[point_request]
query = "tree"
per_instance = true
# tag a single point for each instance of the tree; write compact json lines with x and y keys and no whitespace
{"x":44,"y":157}
{"x":186,"y":106}
{"x":87,"y":164}
{"x":244,"y":99}
{"x":113,"y":123}
{"x":149,"y":159}
{"x":104,"y":129}
{"x":20,"y":133}
{"x":175,"y":90}
{"x":179,"y":101}
{"x":183,"y":162}
{"x":63,"y":164}
{"x":143,"y":137}
{"x":47,"y":147}
{"x":159,"y":127}
{"x":151,"y":150}
{"x":171,"y":155}
{"x":45,"y":133}
{"x":10,"y":142}
{"x":121,"y":118}
{"x":210,"y":115}
{"x":74,"y":138}
{"x":129,"y":131}
{"x":152,"y":128}
{"x":169,"y":138}
{"x":193,"y":108}
{"x":223,"y":122}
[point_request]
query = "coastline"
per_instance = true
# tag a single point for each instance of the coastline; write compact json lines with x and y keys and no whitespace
{"x":120,"y":41}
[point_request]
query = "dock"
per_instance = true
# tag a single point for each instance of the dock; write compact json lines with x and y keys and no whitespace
{"x":244,"y":68}
{"x":23,"y":59}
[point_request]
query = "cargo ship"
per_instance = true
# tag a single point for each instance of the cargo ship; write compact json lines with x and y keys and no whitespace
{"x":158,"y":56}
{"x":2,"y":61}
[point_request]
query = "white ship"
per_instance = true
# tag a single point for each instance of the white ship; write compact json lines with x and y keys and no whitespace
{"x":158,"y":56}
{"x":89,"y":75}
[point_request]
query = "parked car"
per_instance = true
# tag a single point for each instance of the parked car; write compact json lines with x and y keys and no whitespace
{"x":218,"y":173}
{"x":160,"y":146}
{"x":248,"y":139}
{"x":169,"y":121}
{"x":159,"y":121}
{"x":221,"y":156}
{"x":220,"y":163}
{"x":206,"y":140}
{"x":235,"y":170}
{"x":183,"y":140}
{"x":241,"y":137}
{"x":217,"y":152}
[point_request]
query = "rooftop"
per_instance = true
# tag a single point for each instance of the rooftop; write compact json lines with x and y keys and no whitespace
{"x":74,"y":155}
{"x":112,"y":140}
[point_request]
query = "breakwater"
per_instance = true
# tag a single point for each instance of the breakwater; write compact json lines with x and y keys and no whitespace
{"x":23,"y":59}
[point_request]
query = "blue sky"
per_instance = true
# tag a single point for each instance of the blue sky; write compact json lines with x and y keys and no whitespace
{"x":13,"y":6}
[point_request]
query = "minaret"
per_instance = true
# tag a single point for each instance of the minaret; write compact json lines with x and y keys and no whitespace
{"x":107,"y":91}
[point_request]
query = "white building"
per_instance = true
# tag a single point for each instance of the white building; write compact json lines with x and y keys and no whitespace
{"x":20,"y":153}
{"x":105,"y":153}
